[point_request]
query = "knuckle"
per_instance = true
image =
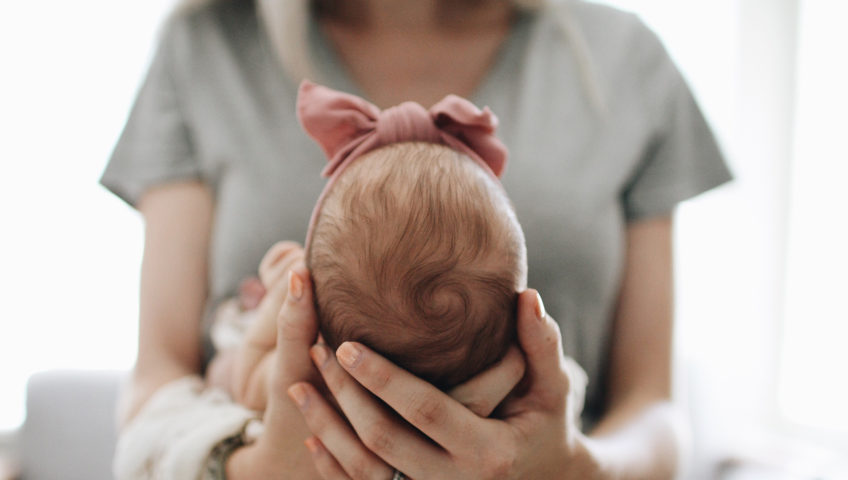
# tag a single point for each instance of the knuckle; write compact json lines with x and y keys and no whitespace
{"x":498,"y":462}
{"x":274,"y":254}
{"x":361,"y":468}
{"x":283,"y":247}
{"x":427,"y":410}
{"x":555,"y":333}
{"x":357,"y":469}
{"x":479,"y":406}
{"x":318,"y":424}
{"x":291,"y":326}
{"x":382,"y":378}
{"x":517,"y":368}
{"x":378,"y":439}
{"x":377,"y":473}
{"x":287,"y":329}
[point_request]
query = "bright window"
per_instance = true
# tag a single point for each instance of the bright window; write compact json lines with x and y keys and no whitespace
{"x":70,"y":251}
{"x":814,"y":384}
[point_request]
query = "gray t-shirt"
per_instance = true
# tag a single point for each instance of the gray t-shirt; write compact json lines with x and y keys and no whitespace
{"x":217,"y":106}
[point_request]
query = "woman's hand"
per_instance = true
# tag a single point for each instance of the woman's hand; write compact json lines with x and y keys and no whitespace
{"x":278,"y":452}
{"x":480,"y":395}
{"x":535,"y":436}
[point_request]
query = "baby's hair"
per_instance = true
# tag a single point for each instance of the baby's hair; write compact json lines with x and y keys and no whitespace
{"x":417,"y":253}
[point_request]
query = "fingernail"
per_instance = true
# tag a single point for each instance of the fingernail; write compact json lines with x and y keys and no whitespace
{"x":319,"y":355}
{"x":295,"y":286}
{"x":540,"y":307}
{"x":298,"y":394}
{"x":349,"y":355}
{"x":312,"y":445}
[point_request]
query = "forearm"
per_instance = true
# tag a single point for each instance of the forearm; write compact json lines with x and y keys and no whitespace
{"x":141,"y":387}
{"x":637,"y":441}
{"x":639,"y":437}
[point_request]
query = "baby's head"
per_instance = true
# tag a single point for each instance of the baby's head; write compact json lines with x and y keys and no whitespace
{"x":417,"y":253}
{"x":413,"y":246}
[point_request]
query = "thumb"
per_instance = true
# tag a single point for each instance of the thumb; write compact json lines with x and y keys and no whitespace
{"x":540,"y":340}
{"x":297,"y":331}
{"x":297,"y":328}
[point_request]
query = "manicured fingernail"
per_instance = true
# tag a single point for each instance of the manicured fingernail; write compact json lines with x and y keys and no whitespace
{"x":312,"y":445}
{"x":540,"y":307}
{"x":298,"y":394}
{"x":295,"y":286}
{"x":349,"y":355}
{"x":319,"y":355}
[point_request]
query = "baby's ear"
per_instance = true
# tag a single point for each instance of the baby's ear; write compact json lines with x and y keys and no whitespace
{"x":278,"y":260}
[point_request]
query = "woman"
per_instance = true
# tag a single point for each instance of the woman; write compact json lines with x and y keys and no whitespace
{"x":605,"y":140}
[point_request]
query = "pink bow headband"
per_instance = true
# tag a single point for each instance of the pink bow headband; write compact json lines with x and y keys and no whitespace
{"x":346,"y":127}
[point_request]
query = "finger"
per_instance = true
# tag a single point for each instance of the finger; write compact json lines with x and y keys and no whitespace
{"x":296,"y":332}
{"x":336,"y":435}
{"x":262,"y":333}
{"x":278,"y":260}
{"x":378,"y":429}
{"x":219,"y":373}
{"x":482,"y":393}
{"x":254,"y":390}
{"x":297,"y":327}
{"x":277,"y":252}
{"x":292,"y":261}
{"x":260,"y":338}
{"x":540,"y":340}
{"x":437,"y":415}
{"x":327,"y":466}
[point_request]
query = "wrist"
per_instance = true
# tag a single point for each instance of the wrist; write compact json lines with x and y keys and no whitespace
{"x":218,"y":460}
{"x":238,"y":464}
{"x":583,"y":460}
{"x":250,"y":462}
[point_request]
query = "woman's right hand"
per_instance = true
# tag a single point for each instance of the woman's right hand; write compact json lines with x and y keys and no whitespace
{"x":278,"y":453}
{"x":533,"y":436}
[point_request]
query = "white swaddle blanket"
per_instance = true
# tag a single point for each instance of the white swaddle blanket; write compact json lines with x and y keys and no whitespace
{"x":173,"y":434}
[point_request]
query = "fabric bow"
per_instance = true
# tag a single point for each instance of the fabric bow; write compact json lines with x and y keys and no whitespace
{"x":347,"y":126}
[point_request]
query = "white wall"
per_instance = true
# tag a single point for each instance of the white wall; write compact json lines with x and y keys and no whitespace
{"x":70,"y":251}
{"x":760,"y":316}
{"x":813,"y":390}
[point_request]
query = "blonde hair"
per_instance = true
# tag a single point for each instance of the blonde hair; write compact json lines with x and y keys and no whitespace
{"x":286,"y":23}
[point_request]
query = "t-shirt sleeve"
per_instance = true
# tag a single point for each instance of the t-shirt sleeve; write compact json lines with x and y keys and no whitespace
{"x":155,"y":146}
{"x":682,"y":158}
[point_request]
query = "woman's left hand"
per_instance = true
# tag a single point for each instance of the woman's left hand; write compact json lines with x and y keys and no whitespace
{"x":534,"y":436}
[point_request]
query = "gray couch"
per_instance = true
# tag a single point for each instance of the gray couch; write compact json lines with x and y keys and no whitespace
{"x":69,"y":431}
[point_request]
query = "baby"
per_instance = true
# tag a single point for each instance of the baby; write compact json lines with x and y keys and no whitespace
{"x":413,"y":247}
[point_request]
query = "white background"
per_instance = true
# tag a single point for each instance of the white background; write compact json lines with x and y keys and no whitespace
{"x":761,"y":267}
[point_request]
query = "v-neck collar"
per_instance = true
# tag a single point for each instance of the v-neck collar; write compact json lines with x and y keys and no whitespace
{"x":333,"y":72}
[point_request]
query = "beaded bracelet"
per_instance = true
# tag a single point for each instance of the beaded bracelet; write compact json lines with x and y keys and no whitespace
{"x":216,"y":462}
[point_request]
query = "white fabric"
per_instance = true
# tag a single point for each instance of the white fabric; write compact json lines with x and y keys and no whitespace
{"x":176,"y":429}
{"x":577,"y":389}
